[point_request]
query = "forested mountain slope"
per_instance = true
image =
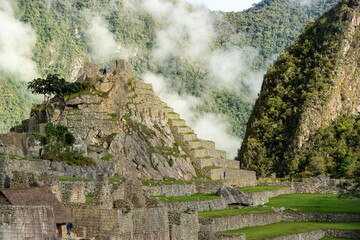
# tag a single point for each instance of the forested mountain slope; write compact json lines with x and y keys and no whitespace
{"x":62,"y":46}
{"x":304,"y":119}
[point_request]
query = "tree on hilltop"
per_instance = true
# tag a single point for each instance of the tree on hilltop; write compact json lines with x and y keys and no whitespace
{"x":53,"y":85}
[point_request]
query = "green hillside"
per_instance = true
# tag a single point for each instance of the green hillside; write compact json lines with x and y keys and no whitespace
{"x":297,"y":126}
{"x":61,"y":46}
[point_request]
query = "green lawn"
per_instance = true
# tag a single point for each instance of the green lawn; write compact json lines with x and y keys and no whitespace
{"x":316,"y":203}
{"x":235,"y":211}
{"x":260,"y":188}
{"x":300,"y":202}
{"x":286,"y":228}
{"x":62,"y":178}
{"x":194,"y":197}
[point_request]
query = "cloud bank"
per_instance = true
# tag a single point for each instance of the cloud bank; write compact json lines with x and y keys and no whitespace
{"x":189,"y":30}
{"x":17,"y":40}
{"x":102,"y":43}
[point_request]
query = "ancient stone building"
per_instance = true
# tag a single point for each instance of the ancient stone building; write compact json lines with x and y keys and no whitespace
{"x":31,"y":213}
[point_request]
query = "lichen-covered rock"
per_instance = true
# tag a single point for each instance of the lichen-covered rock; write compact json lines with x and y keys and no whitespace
{"x":233,"y":196}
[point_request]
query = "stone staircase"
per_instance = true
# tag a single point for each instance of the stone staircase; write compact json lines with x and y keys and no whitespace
{"x":91,"y":116}
{"x":210,"y":161}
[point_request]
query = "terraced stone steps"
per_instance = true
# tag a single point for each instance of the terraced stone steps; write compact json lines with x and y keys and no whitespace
{"x":211,"y":161}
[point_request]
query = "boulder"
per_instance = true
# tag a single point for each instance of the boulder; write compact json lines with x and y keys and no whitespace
{"x":233,"y":196}
{"x":74,"y":102}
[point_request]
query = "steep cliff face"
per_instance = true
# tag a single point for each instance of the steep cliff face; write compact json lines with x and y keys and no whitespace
{"x":313,"y":83}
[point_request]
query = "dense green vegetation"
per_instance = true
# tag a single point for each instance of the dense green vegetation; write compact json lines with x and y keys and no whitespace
{"x":61,"y":47}
{"x":194,"y":197}
{"x":260,"y":188}
{"x":298,"y":81}
{"x":15,"y":103}
{"x":287,"y":228}
{"x":58,"y":146}
{"x":334,"y":149}
{"x":271,"y":26}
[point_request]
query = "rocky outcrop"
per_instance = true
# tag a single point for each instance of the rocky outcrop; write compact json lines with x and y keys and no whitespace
{"x":233,"y":196}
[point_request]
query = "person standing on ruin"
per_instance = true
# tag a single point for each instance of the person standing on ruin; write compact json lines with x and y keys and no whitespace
{"x":68,"y":228}
{"x":224,"y":175}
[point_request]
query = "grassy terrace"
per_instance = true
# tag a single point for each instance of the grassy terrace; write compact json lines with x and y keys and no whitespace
{"x":235,"y":211}
{"x":62,"y":178}
{"x":260,"y":188}
{"x":195,"y":197}
{"x":286,"y":228}
{"x":316,"y":203}
{"x":301,"y":202}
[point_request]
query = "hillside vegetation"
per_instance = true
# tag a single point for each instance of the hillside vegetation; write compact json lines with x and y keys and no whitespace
{"x":297,"y":125}
{"x":61,"y":47}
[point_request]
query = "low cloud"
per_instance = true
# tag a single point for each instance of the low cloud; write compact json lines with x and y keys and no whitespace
{"x":188,"y":31}
{"x":231,"y":68}
{"x":17,"y":41}
{"x":102,"y":43}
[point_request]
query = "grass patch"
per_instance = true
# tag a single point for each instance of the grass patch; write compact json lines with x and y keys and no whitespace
{"x":114,"y":179}
{"x":316,"y":203}
{"x":212,"y":167}
{"x":286,"y":228}
{"x":206,"y":157}
{"x":62,"y":178}
{"x":188,"y":133}
{"x":107,"y":157}
{"x":234,"y":212}
{"x":195,"y":197}
{"x":260,"y":188}
{"x":89,"y":198}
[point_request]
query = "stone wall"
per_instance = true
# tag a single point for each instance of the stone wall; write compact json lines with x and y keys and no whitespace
{"x":20,"y":222}
{"x":15,"y":144}
{"x":73,"y":192}
{"x":205,"y":188}
{"x":230,"y":236}
{"x":320,"y":217}
{"x":183,"y":226}
{"x":141,"y":224}
{"x":241,"y":221}
{"x":233,"y":176}
{"x":343,"y":234}
{"x":45,"y":166}
{"x":258,"y":198}
{"x":207,"y":205}
{"x":261,"y":219}
{"x":314,"y":235}
{"x":171,"y":190}
{"x":174,"y":190}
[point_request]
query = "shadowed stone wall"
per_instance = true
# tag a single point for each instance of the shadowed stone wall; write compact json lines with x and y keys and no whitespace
{"x":141,"y":224}
{"x":21,"y":222}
